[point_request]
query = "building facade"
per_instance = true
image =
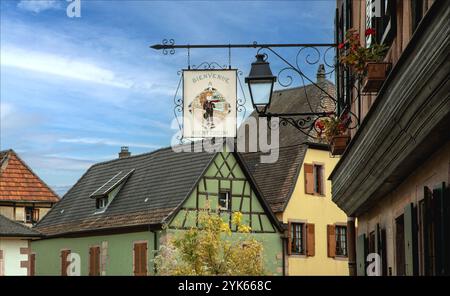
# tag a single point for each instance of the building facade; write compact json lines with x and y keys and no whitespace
{"x":24,"y":200}
{"x":297,"y":189}
{"x":113,"y":220}
{"x":393,"y":177}
{"x":24,"y":197}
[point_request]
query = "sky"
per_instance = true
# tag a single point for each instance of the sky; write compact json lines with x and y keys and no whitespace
{"x":74,"y":90}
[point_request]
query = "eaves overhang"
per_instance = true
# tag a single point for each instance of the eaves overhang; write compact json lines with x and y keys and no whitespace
{"x":408,"y":121}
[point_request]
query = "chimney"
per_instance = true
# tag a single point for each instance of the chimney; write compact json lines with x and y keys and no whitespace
{"x":321,"y":74}
{"x":124,"y":152}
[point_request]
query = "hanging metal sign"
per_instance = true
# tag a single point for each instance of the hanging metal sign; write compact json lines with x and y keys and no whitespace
{"x":209,"y":103}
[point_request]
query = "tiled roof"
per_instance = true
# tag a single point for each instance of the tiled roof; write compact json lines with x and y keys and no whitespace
{"x":9,"y":228}
{"x":19,"y":183}
{"x":160,"y":182}
{"x":277,"y":180}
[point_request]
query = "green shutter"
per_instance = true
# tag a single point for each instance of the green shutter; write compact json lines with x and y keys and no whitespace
{"x":410,"y":240}
{"x":361,"y":254}
{"x":440,"y":231}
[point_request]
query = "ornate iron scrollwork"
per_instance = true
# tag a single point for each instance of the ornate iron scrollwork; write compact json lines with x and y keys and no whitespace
{"x":307,"y":54}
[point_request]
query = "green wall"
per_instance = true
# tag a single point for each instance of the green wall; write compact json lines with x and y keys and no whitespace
{"x":119,"y":258}
{"x":224,"y":173}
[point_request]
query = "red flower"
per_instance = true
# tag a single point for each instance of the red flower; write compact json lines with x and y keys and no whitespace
{"x":341,"y":45}
{"x":320,"y":125}
{"x":370,"y":31}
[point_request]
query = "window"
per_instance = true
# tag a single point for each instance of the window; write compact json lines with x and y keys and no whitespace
{"x":101,"y":202}
{"x":31,"y":215}
{"x":225,"y":200}
{"x":297,"y":238}
{"x":318,"y":179}
{"x":341,"y":241}
{"x":314,"y":182}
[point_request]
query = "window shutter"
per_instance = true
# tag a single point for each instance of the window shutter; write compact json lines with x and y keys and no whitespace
{"x":91,"y":262}
{"x":331,"y":243}
{"x":310,"y":240}
{"x":140,"y":259}
{"x":427,"y":222}
{"x":32,"y":263}
{"x":410,"y":239}
{"x":289,"y":246}
{"x":309,"y":178}
{"x":64,"y":262}
{"x":383,"y":251}
{"x":35,"y":215}
{"x":136,"y":259}
{"x":94,"y":261}
{"x":361,"y":253}
{"x":441,"y":232}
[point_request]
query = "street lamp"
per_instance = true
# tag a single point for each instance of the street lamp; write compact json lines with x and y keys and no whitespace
{"x":260,"y":83}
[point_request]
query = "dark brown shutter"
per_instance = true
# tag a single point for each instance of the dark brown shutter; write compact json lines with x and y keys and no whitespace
{"x":140,"y":259}
{"x":94,"y":261}
{"x":289,"y":246}
{"x":64,"y":262}
{"x":310,"y":240}
{"x":331,"y":243}
{"x":32,"y":264}
{"x":309,"y":178}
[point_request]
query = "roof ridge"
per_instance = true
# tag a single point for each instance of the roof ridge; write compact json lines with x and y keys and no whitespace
{"x":131,"y":156}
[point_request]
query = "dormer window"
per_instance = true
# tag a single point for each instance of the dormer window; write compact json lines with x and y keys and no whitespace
{"x":104,"y":195}
{"x":101,"y":202}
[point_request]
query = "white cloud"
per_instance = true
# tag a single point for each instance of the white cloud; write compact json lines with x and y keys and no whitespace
{"x":61,"y":66}
{"x":37,"y":6}
{"x":107,"y":142}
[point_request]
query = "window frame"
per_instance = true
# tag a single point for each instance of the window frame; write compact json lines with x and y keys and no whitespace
{"x":227,"y":200}
{"x":101,"y":200}
{"x":338,"y":235}
{"x":302,"y":238}
{"x":321,"y":190}
{"x":29,"y":212}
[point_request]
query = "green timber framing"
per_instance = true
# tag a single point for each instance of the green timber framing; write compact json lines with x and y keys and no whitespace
{"x":118,"y":236}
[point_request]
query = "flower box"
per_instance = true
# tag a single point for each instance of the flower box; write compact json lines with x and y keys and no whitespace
{"x":376,"y":73}
{"x":338,"y":144}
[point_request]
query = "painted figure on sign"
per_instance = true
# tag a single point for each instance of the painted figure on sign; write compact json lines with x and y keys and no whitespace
{"x":208,"y":102}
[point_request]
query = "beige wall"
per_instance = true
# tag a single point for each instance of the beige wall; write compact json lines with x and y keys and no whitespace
{"x":321,"y":211}
{"x":8,"y":212}
{"x":431,"y":174}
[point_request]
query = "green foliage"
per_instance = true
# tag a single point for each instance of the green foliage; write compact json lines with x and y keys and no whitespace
{"x":210,"y":249}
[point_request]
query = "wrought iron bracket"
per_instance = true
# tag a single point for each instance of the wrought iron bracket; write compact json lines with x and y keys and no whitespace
{"x":304,"y":122}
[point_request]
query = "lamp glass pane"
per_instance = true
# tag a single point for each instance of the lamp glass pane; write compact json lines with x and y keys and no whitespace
{"x":261,"y":91}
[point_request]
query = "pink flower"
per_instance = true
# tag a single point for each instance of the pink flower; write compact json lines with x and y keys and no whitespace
{"x":341,"y":45}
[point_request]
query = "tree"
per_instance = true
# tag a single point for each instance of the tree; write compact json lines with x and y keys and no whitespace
{"x":211,"y":249}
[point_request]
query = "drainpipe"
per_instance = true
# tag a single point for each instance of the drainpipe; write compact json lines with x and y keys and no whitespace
{"x":351,"y":239}
{"x":283,"y":239}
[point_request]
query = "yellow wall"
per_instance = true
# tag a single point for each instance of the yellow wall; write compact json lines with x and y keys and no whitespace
{"x":321,"y":211}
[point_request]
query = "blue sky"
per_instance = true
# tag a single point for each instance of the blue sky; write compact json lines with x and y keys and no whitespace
{"x":73,"y":90}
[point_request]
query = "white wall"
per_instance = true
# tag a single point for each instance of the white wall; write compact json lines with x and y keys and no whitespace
{"x":12,"y":256}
